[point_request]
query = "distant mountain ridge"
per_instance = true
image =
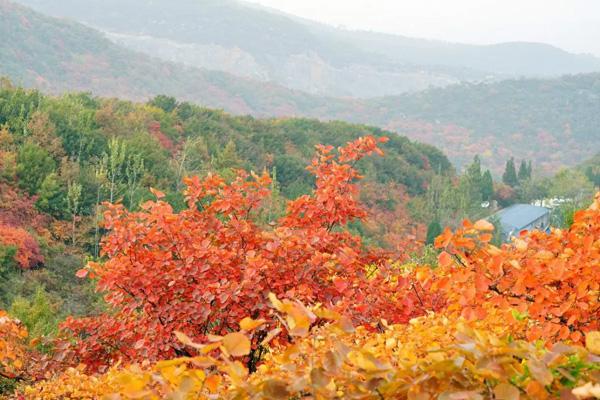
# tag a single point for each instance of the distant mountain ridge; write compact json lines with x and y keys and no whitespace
{"x":553,"y":122}
{"x":58,"y":55}
{"x":256,"y":42}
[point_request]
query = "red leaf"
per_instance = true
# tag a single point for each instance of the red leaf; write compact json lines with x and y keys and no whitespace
{"x":444,"y":259}
{"x":82,"y":273}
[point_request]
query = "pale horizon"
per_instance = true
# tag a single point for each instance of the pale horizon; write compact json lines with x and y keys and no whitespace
{"x":571,"y":25}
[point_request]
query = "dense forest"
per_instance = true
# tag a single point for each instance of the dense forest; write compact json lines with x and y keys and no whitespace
{"x":524,"y":118}
{"x":209,"y":299}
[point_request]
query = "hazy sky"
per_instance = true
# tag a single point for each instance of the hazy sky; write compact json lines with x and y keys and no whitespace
{"x":571,"y":24}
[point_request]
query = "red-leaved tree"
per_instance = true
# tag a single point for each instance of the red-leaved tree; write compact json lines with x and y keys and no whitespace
{"x":202,"y":270}
{"x":28,"y":253}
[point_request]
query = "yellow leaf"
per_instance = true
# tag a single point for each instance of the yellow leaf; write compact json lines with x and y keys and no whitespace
{"x":589,"y":390}
{"x":272,"y":333}
{"x":275,"y":301}
{"x":277,"y":390}
{"x":592,"y":342}
{"x":183,"y":338}
{"x":236,"y":344}
{"x":367,"y":361}
{"x":249,"y":324}
{"x":210,"y":347}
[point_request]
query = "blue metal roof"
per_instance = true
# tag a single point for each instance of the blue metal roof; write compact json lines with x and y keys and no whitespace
{"x":518,"y":216}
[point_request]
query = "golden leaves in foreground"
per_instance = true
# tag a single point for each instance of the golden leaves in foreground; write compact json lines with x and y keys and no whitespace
{"x":432,"y":357}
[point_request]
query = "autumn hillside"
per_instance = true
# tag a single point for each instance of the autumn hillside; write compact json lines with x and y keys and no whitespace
{"x":552,"y":121}
{"x":524,"y":118}
{"x":58,"y":55}
{"x":61,"y":157}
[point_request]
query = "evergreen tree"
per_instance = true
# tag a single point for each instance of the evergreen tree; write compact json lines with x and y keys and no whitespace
{"x":434,"y":229}
{"x":474,"y":180}
{"x":166,"y":103}
{"x":51,"y":197}
{"x":510,"y":174}
{"x":228,"y":158}
{"x":487,"y":186}
{"x":524,"y":173}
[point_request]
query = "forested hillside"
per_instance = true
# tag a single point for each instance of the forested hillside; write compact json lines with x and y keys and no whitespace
{"x":553,"y":122}
{"x":207,"y":231}
{"x":61,"y":157}
{"x":251,"y":41}
{"x":58,"y":55}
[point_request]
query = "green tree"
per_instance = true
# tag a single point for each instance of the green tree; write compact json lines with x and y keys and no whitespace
{"x":524,"y":172}
{"x":533,"y":189}
{"x":51,"y":196}
{"x":134,"y":170}
{"x":192,"y":159}
{"x":73,"y":205}
{"x":571,"y":184}
{"x":114,"y":161}
{"x":228,"y":158}
{"x":7,"y":261}
{"x":487,"y":186}
{"x":474,"y":180}
{"x":510,"y":174}
{"x":165,"y":103}
{"x":33,"y":165}
{"x":434,"y":229}
{"x":39,"y":313}
{"x":497,"y":237}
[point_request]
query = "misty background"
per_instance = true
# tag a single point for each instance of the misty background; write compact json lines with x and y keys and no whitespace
{"x":572,"y":25}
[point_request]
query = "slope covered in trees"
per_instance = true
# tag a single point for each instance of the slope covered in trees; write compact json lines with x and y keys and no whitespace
{"x":553,"y":122}
{"x":61,"y":157}
{"x":58,"y":55}
{"x":248,"y":40}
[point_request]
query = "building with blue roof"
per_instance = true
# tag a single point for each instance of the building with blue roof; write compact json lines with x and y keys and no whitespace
{"x":520,"y":217}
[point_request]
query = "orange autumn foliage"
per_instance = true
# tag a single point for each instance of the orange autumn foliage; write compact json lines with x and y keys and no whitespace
{"x":28,"y":253}
{"x":203,"y":269}
{"x":210,"y":302}
{"x":552,"y":280}
{"x":12,"y":347}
